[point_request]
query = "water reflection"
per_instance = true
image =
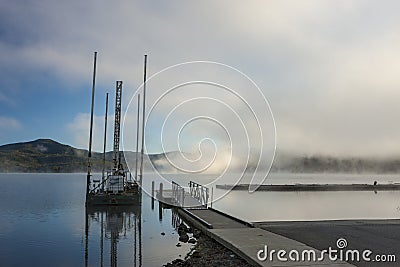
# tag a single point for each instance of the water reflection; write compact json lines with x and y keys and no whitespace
{"x":114,"y":224}
{"x":43,"y":217}
{"x":176,"y":219}
{"x":44,"y":225}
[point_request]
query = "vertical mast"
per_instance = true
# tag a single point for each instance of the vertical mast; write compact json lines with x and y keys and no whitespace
{"x":143,"y":118}
{"x":91,"y":126}
{"x":117,"y":125}
{"x":137,"y":138}
{"x":104,"y":145}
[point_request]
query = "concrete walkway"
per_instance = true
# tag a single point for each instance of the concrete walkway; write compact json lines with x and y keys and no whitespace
{"x":215,"y":219}
{"x":382,"y":237}
{"x":247,"y":241}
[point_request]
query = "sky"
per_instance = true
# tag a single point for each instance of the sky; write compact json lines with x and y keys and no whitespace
{"x":321,"y":77}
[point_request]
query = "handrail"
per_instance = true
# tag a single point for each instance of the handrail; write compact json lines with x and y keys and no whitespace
{"x":199,"y":192}
{"x":105,"y":181}
{"x":178,"y":194}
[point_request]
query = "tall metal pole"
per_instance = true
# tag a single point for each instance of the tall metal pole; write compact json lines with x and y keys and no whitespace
{"x":91,"y":127}
{"x":104,"y":145}
{"x":143,"y":118}
{"x":137,"y":138}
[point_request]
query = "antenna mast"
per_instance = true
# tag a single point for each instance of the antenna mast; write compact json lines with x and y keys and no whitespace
{"x":137,"y":138}
{"x":143,"y":119}
{"x":104,"y":145}
{"x":91,"y":127}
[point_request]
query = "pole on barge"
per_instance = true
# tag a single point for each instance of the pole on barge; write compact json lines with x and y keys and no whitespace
{"x":104,"y":145}
{"x":137,"y":139}
{"x":143,"y":119}
{"x":91,"y":128}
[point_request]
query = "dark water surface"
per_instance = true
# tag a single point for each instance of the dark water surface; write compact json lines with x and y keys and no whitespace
{"x":43,"y":222}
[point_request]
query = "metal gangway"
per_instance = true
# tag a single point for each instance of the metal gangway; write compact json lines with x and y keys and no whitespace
{"x":194,"y":197}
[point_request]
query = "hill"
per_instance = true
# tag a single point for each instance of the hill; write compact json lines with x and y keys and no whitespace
{"x":46,"y":155}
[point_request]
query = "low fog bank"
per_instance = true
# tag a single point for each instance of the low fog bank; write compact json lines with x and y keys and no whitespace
{"x":61,"y":158}
{"x":286,"y":162}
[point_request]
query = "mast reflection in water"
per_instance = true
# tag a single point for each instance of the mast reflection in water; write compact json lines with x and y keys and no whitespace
{"x":114,"y":224}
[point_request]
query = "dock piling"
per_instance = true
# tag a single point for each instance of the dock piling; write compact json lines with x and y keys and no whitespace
{"x":212,"y":196}
{"x":160,"y":192}
{"x":152,"y":194}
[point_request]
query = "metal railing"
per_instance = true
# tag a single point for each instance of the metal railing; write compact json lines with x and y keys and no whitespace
{"x":199,"y":192}
{"x":178,"y":194}
{"x":103,"y":184}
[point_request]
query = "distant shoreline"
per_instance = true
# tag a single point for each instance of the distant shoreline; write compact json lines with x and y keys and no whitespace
{"x":314,"y":187}
{"x":374,"y":175}
{"x":48,"y":156}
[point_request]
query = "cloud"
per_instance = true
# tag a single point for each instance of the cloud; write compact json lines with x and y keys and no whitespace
{"x":328,"y":68}
{"x":78,"y":130}
{"x":9,"y":124}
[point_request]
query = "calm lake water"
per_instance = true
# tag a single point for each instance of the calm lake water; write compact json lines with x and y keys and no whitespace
{"x":43,"y":223}
{"x":299,"y":206}
{"x":43,"y":220}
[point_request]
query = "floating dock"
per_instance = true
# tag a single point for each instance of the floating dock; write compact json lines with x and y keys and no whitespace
{"x":243,"y":238}
{"x":130,"y":196}
{"x":313,"y":187}
{"x":246,"y":239}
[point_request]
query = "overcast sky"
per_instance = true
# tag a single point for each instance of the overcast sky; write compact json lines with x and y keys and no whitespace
{"x":328,"y":69}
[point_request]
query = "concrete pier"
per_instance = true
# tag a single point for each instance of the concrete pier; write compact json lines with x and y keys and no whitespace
{"x":382,"y":237}
{"x":247,"y":241}
{"x":255,"y":241}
